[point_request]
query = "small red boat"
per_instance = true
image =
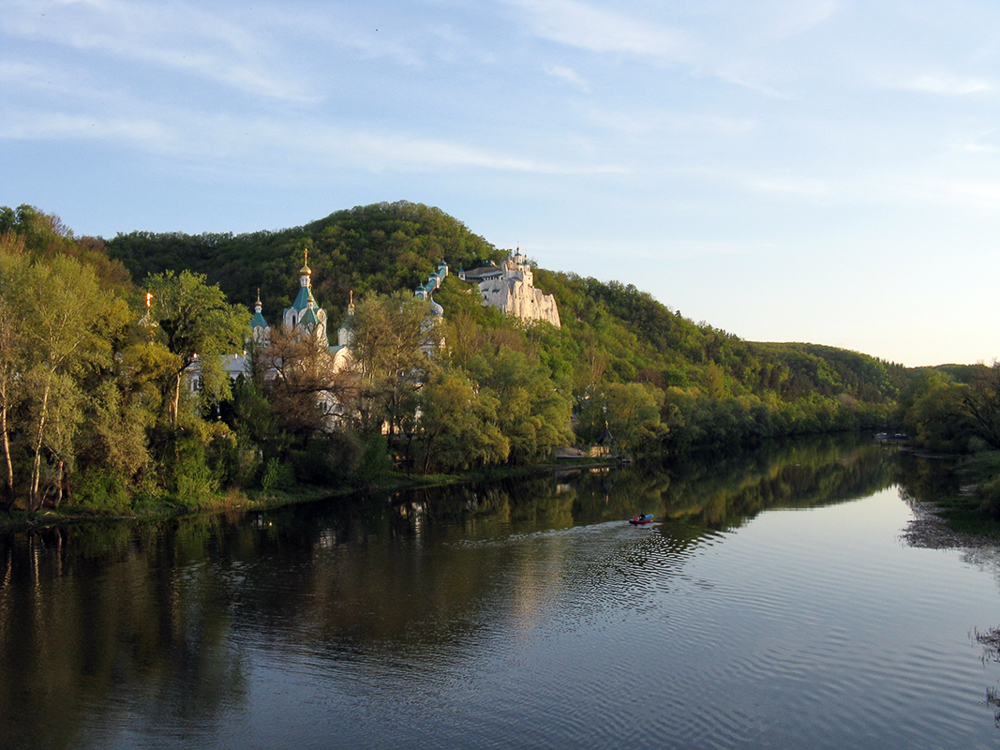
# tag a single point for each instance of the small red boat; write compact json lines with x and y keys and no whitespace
{"x":640,"y":520}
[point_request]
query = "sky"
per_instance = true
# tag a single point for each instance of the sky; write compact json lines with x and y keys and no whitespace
{"x":784,"y":170}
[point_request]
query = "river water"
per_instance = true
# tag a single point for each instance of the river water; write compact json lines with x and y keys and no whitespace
{"x":776,"y":602}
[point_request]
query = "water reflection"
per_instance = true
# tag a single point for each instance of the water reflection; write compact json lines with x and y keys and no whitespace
{"x":113,"y":633}
{"x":98,"y":621}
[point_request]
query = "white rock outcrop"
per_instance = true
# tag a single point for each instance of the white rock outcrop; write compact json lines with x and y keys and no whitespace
{"x":514,"y":292}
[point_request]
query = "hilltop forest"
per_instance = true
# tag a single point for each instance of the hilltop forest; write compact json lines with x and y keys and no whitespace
{"x":98,"y":337}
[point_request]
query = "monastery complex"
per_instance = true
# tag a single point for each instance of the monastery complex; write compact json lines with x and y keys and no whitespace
{"x":509,"y":287}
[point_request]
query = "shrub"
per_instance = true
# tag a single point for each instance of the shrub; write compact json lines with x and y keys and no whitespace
{"x":103,"y":490}
{"x":277,"y":476}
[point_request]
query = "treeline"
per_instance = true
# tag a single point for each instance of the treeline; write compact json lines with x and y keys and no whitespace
{"x":955,"y":409}
{"x":94,"y":379}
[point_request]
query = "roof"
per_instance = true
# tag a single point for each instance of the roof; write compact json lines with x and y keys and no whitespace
{"x":308,"y":318}
{"x":483,"y":272}
{"x":302,"y":300}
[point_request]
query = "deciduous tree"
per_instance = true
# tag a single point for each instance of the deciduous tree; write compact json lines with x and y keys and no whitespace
{"x":198,"y":325}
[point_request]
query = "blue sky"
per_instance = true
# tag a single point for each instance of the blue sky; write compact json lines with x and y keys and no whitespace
{"x":803,"y":170}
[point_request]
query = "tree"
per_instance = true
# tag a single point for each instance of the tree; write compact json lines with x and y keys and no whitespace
{"x":61,"y":301}
{"x":458,"y":424}
{"x":13,"y":313}
{"x":932,"y":410}
{"x":981,"y":401}
{"x":307,"y":389}
{"x":198,"y":325}
{"x":390,"y":335}
{"x":531,"y":413}
{"x":631,"y":411}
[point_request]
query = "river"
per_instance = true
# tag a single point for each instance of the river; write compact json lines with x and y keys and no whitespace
{"x":776,"y":601}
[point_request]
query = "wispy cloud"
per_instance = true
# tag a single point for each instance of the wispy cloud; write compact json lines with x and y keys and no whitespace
{"x":394,"y":151}
{"x":567,"y":74}
{"x":974,"y":193}
{"x":979,"y":143}
{"x":804,"y":186}
{"x":590,"y":28}
{"x":795,"y":17}
{"x":640,"y":122}
{"x":577,"y":24}
{"x":943,"y":84}
{"x":173,"y":36}
{"x":226,"y":140}
{"x":32,"y":76}
{"x":43,"y":126}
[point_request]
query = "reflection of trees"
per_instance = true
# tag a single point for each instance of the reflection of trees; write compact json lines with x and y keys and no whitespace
{"x":100,"y":622}
{"x":719,"y":492}
{"x":802,"y":475}
{"x":143,"y":621}
{"x":926,"y":478}
{"x":990,"y":641}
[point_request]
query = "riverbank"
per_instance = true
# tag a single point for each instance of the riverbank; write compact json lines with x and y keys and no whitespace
{"x":972,"y":509}
{"x":293,"y":495}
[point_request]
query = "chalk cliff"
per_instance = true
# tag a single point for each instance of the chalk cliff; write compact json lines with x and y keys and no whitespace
{"x":511,"y":287}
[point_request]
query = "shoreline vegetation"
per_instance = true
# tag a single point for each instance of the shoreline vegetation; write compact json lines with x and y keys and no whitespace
{"x":970,"y":508}
{"x":118,"y":395}
{"x":951,"y":512}
{"x":258,"y":500}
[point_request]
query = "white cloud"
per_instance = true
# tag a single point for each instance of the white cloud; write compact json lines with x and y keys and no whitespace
{"x":943,"y":84}
{"x":577,"y":24}
{"x":566,"y":74}
{"x":174,"y":36}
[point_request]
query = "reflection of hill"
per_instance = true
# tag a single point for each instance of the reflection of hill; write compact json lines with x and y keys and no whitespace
{"x":161,"y":621}
{"x":722,"y":492}
{"x":801,"y":474}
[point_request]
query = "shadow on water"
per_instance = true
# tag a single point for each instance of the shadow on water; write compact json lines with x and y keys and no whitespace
{"x":146,"y":626}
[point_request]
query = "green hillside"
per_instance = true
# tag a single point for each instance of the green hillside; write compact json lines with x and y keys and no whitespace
{"x":379,"y":248}
{"x":387,"y":247}
{"x":102,"y":410}
{"x":710,"y":388}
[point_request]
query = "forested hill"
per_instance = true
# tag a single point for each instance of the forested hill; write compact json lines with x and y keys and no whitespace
{"x":613,"y":331}
{"x":378,"y":248}
{"x":114,"y":396}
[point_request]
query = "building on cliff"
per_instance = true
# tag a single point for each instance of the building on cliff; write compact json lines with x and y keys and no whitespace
{"x":511,"y":287}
